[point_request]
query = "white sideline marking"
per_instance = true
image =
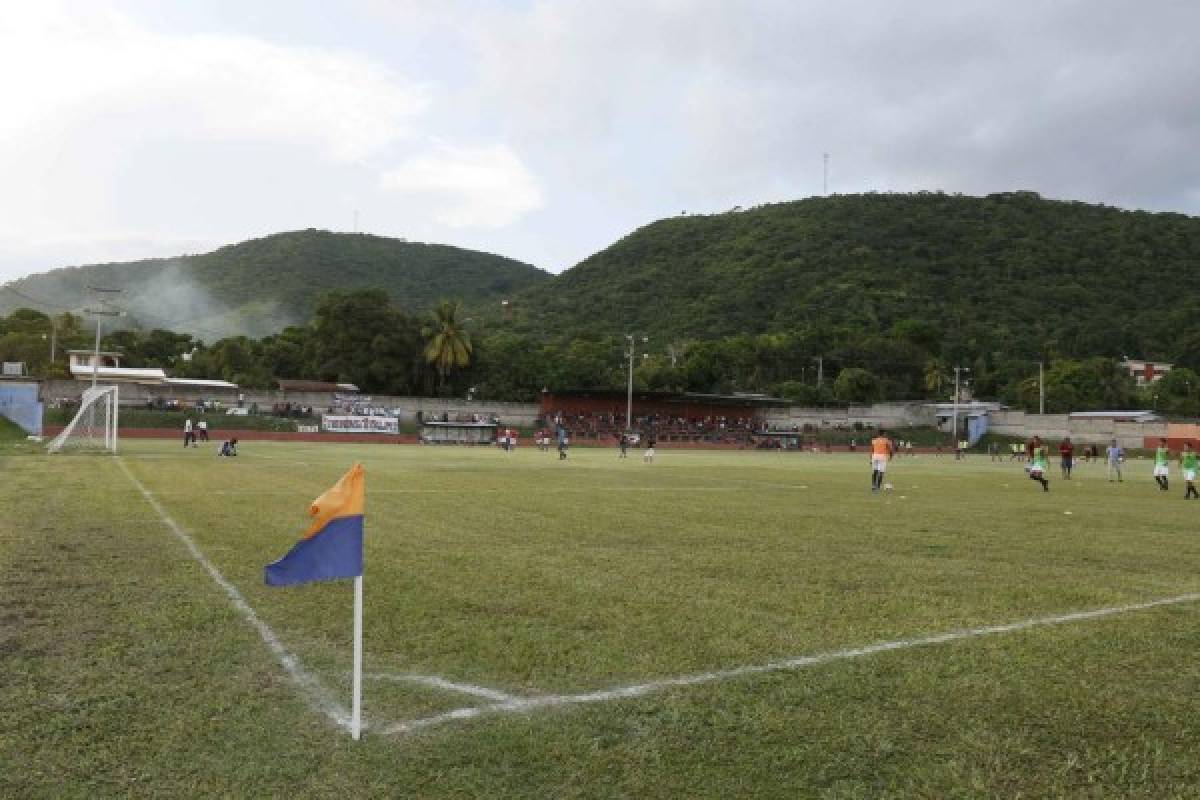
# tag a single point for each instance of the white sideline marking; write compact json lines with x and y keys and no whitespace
{"x":319,"y":696}
{"x":479,"y":490}
{"x":523,"y":705}
{"x":441,"y":683}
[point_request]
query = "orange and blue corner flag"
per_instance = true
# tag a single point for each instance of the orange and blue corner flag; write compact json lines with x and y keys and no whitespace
{"x":332,"y":547}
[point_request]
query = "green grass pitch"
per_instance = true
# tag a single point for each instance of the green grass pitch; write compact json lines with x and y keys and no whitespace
{"x":496,"y":578}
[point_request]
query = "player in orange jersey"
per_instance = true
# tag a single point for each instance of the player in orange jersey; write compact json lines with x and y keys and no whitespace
{"x":882,"y":451}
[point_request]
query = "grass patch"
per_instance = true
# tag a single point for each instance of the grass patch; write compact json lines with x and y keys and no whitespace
{"x":129,"y":672}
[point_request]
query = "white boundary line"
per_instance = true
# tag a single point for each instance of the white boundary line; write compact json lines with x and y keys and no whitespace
{"x":525,"y":705}
{"x":544,"y":490}
{"x":436,"y":682}
{"x":319,"y":697}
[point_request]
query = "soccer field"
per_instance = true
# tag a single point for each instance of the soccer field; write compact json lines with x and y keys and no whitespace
{"x":715,"y":624}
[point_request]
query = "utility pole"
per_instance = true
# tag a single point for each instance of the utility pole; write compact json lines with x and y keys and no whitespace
{"x":957,"y":370}
{"x":825,"y":174}
{"x":1041,"y":387}
{"x":820,"y":370}
{"x":631,"y":347}
{"x":100,"y":313}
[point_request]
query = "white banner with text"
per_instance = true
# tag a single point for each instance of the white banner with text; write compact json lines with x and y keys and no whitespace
{"x":355,"y":424}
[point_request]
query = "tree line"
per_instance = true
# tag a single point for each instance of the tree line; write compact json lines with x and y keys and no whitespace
{"x":361,"y":337}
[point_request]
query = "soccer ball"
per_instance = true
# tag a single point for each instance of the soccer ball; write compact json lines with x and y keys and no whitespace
{"x":887,"y":487}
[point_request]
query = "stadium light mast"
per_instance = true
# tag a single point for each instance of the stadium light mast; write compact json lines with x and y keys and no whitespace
{"x":99,"y":314}
{"x":53,"y":337}
{"x":957,"y":370}
{"x":1041,"y":387}
{"x":630,"y":349}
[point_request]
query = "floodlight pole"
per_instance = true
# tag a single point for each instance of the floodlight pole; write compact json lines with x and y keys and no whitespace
{"x":956,"y":371}
{"x":1041,"y":387}
{"x":96,"y":354}
{"x":99,"y":313}
{"x":631,"y":346}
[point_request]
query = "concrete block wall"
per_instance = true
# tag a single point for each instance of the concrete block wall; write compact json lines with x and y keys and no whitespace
{"x":1018,"y":423}
{"x":133,"y":394}
{"x":1082,"y":431}
{"x":878,"y":415}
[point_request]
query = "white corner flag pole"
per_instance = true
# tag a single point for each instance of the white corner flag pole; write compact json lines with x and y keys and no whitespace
{"x":356,"y":714}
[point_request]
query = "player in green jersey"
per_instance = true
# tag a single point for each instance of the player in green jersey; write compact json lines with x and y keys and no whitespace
{"x":1161,"y":470}
{"x":1039,"y":463}
{"x":1189,"y":463}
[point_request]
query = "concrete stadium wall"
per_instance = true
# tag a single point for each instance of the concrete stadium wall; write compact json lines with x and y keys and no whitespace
{"x":1018,"y":423}
{"x":133,"y":394}
{"x":878,"y":415}
{"x":1082,"y":431}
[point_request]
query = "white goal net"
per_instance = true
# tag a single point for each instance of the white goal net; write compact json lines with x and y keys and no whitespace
{"x":94,"y":427}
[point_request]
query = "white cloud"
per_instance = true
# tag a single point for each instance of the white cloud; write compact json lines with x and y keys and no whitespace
{"x":218,"y":121}
{"x":112,"y":132}
{"x":717,"y":103}
{"x":464,"y":187}
{"x":85,"y":70}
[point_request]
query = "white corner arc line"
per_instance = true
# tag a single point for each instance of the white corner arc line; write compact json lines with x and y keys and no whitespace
{"x":319,"y":697}
{"x":436,"y":682}
{"x":523,"y":705}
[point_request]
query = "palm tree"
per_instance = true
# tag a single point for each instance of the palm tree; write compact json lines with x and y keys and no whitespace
{"x":935,"y":376}
{"x":447,"y":343}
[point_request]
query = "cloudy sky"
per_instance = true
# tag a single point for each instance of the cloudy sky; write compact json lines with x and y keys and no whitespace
{"x":545,"y":130}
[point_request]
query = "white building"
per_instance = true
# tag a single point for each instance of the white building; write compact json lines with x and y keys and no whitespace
{"x":105,"y":366}
{"x":1146,"y":372}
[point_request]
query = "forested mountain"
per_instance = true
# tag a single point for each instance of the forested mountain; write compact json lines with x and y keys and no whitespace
{"x":260,"y":286}
{"x":1008,"y":272}
{"x":842,"y":299}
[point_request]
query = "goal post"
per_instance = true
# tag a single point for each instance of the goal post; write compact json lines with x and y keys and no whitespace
{"x":94,"y":426}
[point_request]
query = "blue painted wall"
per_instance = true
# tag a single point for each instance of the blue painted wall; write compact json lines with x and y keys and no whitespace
{"x":19,"y":402}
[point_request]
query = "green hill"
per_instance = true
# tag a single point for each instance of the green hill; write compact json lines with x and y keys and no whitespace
{"x":966,"y":273}
{"x":260,"y":286}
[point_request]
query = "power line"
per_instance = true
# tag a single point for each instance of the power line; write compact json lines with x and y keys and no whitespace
{"x":24,"y":296}
{"x":138,"y":317}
